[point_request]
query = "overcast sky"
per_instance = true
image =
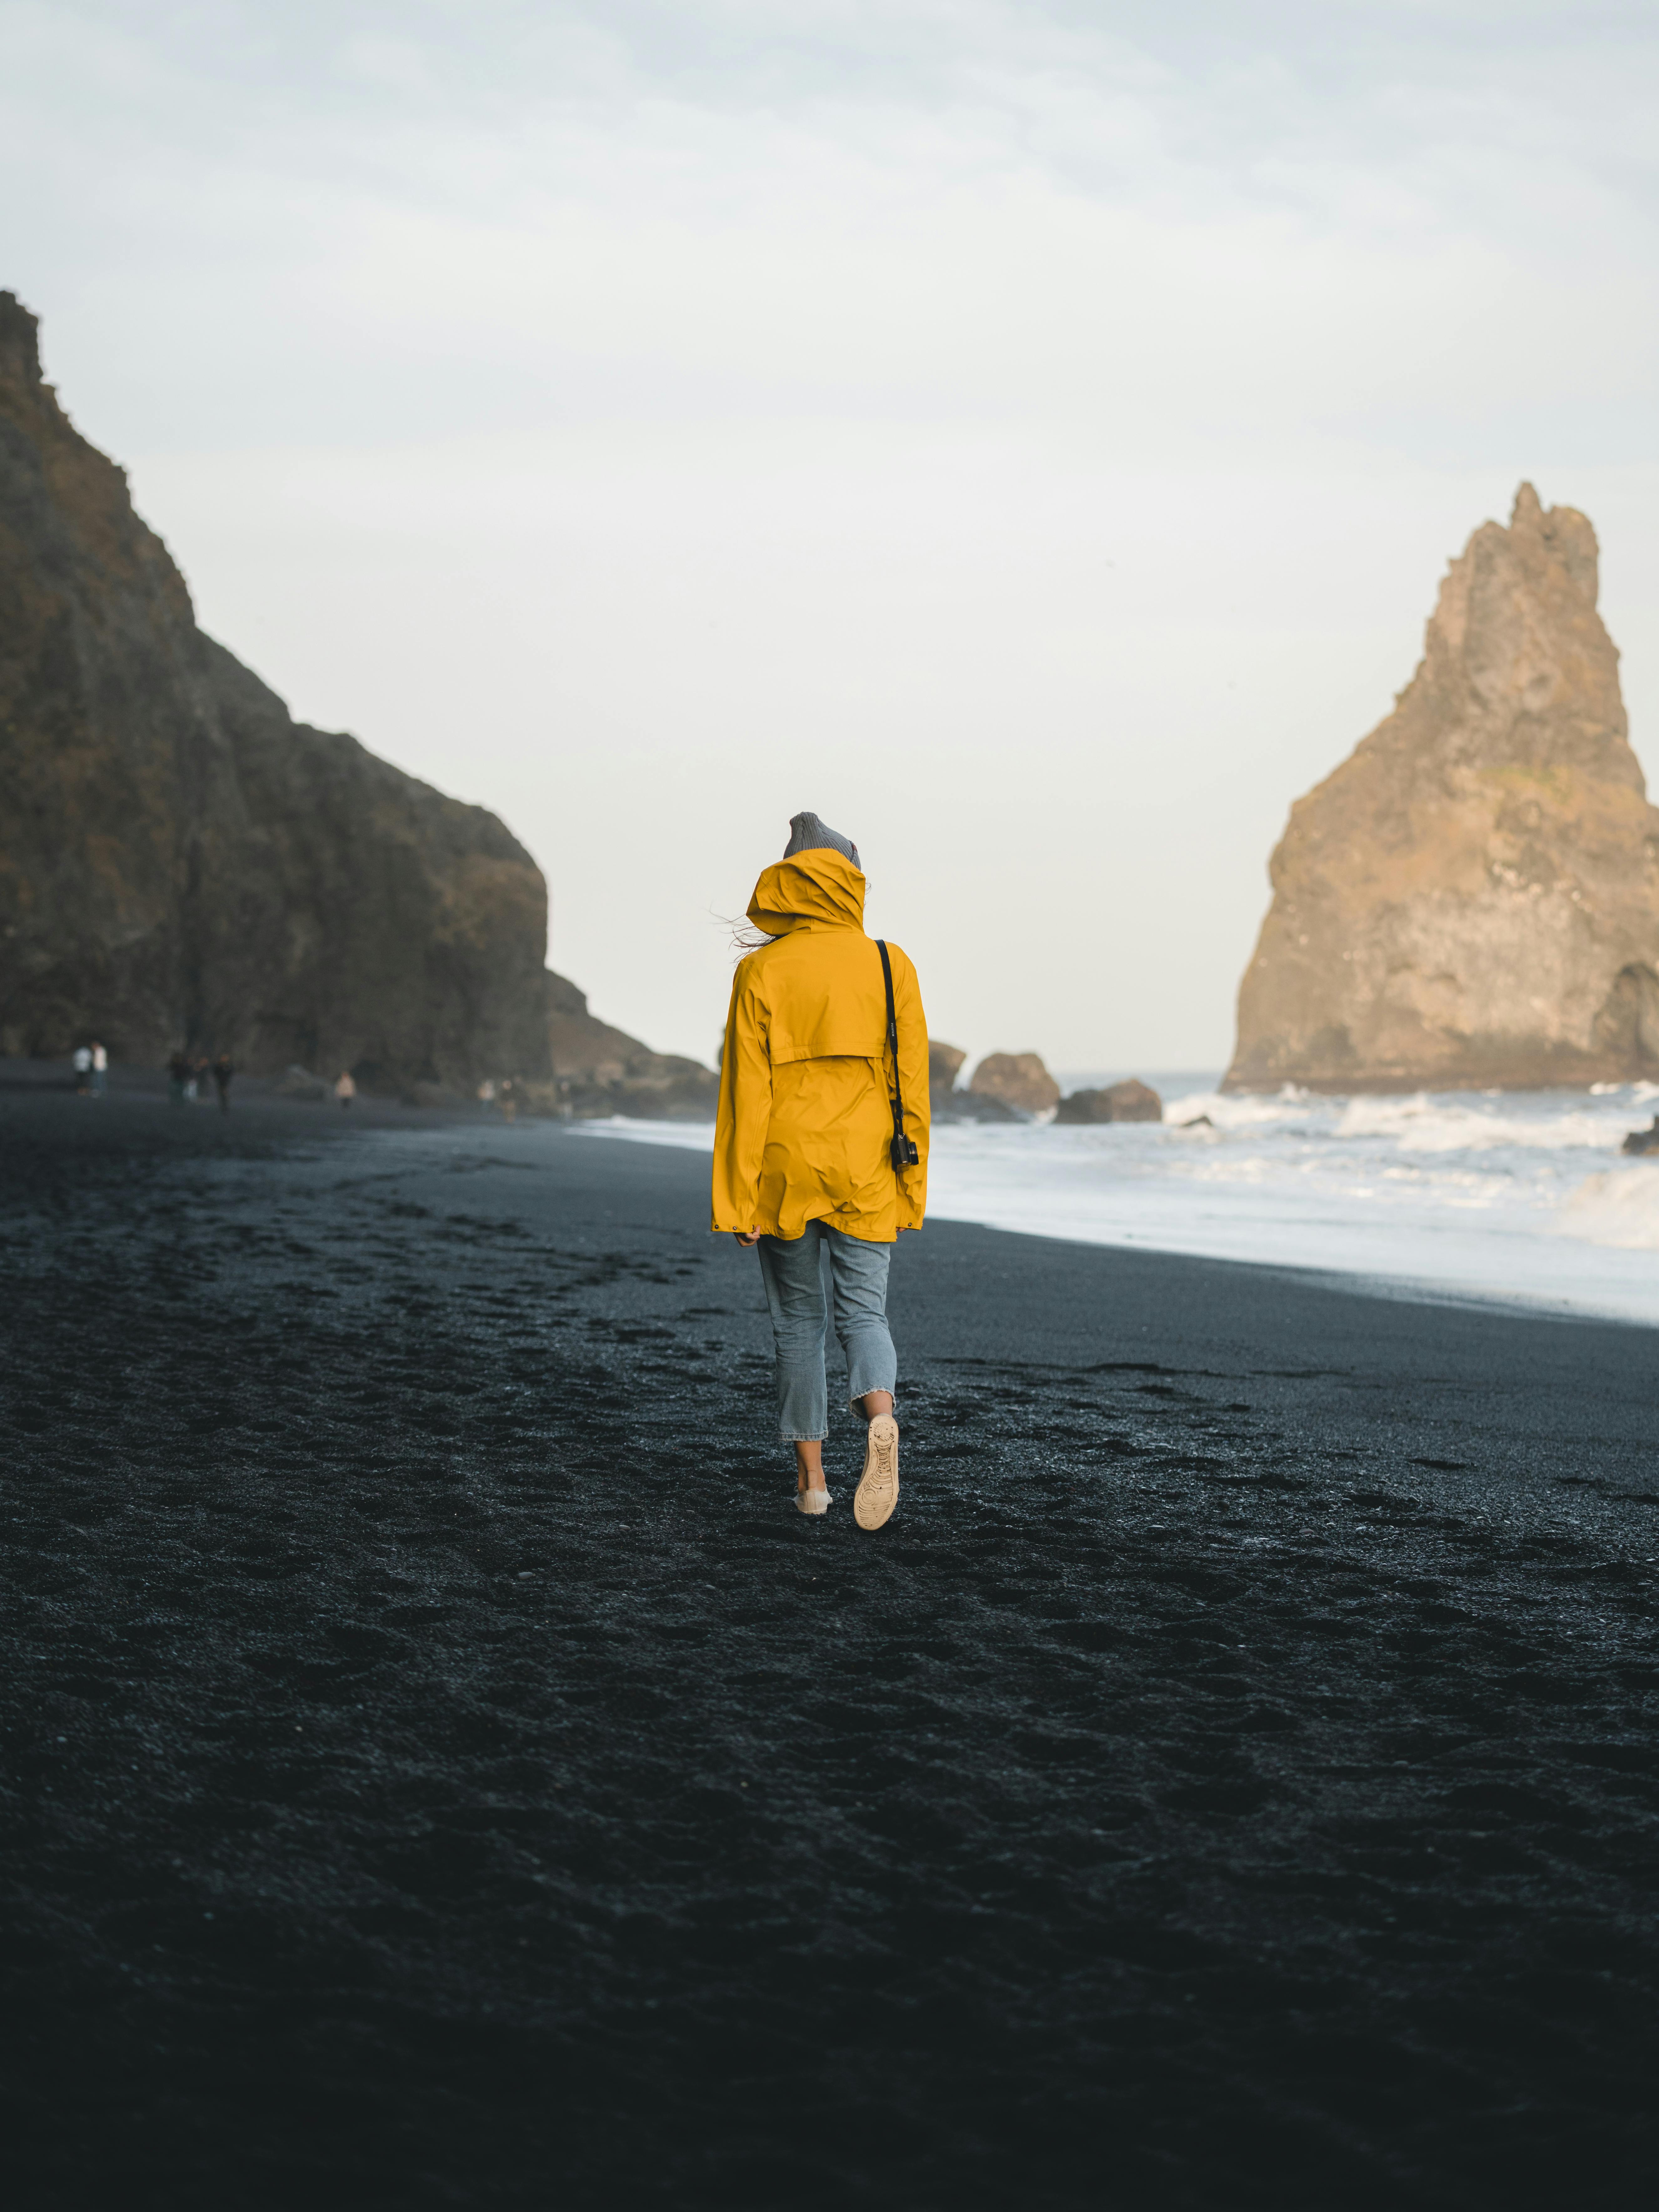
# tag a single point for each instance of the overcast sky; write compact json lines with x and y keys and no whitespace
{"x":1031,"y":435}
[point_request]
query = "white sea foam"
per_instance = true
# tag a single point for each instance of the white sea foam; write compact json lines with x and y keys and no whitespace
{"x":1620,"y":1208}
{"x":1515,"y":1195}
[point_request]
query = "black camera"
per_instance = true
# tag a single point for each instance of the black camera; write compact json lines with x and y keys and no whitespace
{"x":904,"y":1153}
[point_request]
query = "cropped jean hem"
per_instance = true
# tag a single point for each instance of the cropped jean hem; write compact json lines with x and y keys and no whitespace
{"x":803,"y":1315}
{"x":853,"y":1406}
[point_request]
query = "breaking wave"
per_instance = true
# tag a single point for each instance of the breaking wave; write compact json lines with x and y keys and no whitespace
{"x":1501,"y":1194}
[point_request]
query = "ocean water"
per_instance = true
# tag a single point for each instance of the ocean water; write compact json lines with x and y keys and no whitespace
{"x":1519,"y":1196}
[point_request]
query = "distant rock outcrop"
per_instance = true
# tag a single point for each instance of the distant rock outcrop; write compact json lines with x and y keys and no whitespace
{"x":944,"y":1066}
{"x":183,"y":864}
{"x":1117,"y":1101}
{"x":946,"y":1103}
{"x":598,"y":1070}
{"x":1018,"y":1079}
{"x":1472,"y":897}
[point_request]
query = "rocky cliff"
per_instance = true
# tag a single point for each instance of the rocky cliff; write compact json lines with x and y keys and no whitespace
{"x":598,"y":1070}
{"x":181,"y":862}
{"x":1472,"y":897}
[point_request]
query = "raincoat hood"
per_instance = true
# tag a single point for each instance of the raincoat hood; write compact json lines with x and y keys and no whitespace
{"x":819,"y":888}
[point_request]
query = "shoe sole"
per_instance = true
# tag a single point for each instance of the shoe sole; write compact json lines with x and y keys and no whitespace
{"x":877,"y":1492}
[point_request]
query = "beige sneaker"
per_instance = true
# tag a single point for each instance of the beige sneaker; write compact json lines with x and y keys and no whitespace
{"x":811,"y":1501}
{"x":878,"y":1493}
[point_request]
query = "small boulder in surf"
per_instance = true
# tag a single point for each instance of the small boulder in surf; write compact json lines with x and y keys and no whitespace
{"x":1129,"y":1101}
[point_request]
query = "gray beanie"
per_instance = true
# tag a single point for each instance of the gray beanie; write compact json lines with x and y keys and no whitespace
{"x":808,"y":834}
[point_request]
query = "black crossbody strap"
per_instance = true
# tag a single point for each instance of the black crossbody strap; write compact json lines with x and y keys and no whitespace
{"x":896,"y":1101}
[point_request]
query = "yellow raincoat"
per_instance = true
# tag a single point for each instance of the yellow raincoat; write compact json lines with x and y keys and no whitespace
{"x":805,"y":1126}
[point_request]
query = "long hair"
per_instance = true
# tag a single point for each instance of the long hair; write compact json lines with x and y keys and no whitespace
{"x":746,"y":936}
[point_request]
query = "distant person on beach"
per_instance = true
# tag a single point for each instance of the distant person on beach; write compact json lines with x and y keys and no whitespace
{"x":344,"y":1088}
{"x":821,"y":1145}
{"x":223,"y":1069}
{"x":178,"y":1078}
{"x":81,"y":1060}
{"x":99,"y":1071}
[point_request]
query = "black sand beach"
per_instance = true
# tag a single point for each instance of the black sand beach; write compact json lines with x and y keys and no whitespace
{"x":442,"y":1769}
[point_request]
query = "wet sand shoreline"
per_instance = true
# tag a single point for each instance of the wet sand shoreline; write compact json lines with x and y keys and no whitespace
{"x":440,"y":1763}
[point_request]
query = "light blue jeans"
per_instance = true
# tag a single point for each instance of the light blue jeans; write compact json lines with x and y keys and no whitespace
{"x":794,"y":1276}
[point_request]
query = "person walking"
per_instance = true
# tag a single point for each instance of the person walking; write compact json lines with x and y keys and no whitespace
{"x":99,"y":1071}
{"x":344,"y":1088}
{"x":223,"y":1069}
{"x":821,"y":1145}
{"x":178,"y":1076}
{"x":81,"y":1060}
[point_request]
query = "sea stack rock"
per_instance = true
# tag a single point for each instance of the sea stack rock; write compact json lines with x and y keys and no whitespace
{"x":1017,"y":1079}
{"x":945,"y":1063}
{"x":1131,"y":1101}
{"x":1472,"y":897}
{"x":944,"y":1066}
{"x":181,"y":862}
